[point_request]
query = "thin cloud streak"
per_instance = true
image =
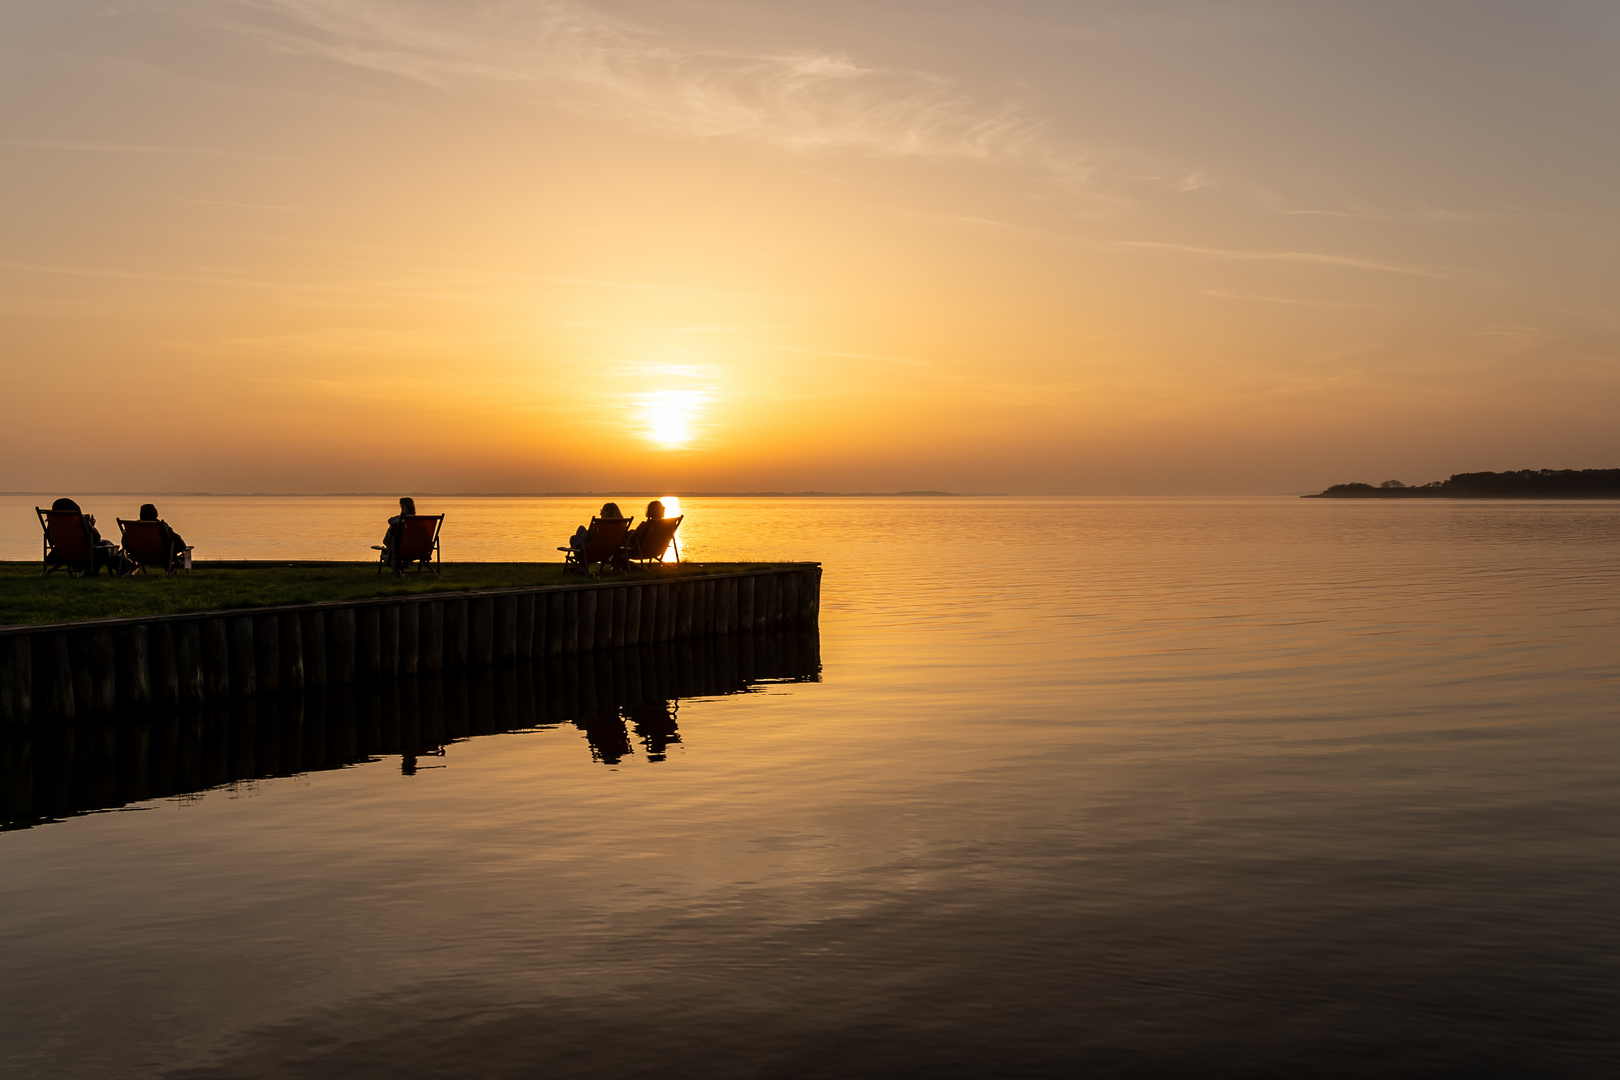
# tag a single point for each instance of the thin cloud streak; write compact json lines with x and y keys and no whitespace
{"x":568,"y":55}
{"x":1277,"y":256}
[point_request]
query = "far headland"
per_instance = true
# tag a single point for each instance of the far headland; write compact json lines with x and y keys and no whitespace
{"x":1523,"y":484}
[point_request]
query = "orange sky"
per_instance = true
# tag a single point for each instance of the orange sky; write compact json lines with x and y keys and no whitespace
{"x":282,"y":245}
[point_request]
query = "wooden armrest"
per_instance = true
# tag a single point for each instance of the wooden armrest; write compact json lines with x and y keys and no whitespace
{"x":378,"y":547}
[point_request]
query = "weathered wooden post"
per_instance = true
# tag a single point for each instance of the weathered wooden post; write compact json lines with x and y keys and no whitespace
{"x":541,"y":604}
{"x":745,"y":604}
{"x":585,"y":605}
{"x":770,"y":584}
{"x":722,"y":613}
{"x":481,"y":631}
{"x":431,"y":635}
{"x":711,"y":590}
{"x":267,"y":652}
{"x":810,"y":597}
{"x":620,"y":609}
{"x":790,"y":598}
{"x":410,"y":638}
{"x":188,"y":661}
{"x":342,"y":645}
{"x":215,"y":642}
{"x":524,"y":647}
{"x":387,"y":641}
{"x":506,"y":628}
{"x":16,"y":682}
{"x":455,"y":635}
{"x":649,"y":613}
{"x":294,"y":672}
{"x":728,"y":606}
{"x":556,"y":623}
{"x":685,"y":599}
{"x":632,"y":614}
{"x":164,"y":666}
{"x":368,"y":643}
{"x":604,"y":618}
{"x":243,"y":682}
{"x":571,"y":635}
{"x":313,"y":631}
{"x":95,"y":672}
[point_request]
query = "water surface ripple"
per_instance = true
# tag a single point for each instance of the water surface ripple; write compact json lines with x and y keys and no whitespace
{"x":1225,"y":787}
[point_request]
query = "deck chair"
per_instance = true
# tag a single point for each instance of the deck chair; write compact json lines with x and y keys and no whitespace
{"x":147,"y":542}
{"x":657,"y":537}
{"x":68,"y":543}
{"x":416,"y":542}
{"x":607,"y":539}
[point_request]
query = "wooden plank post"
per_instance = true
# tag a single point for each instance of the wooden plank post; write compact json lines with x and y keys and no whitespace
{"x":53,"y":690}
{"x":188,"y":661}
{"x":506,"y":628}
{"x":455,"y":635}
{"x":632,"y":614}
{"x":267,"y":652}
{"x":388,"y":641}
{"x":342,"y":645}
{"x":556,"y":624}
{"x":481,"y":631}
{"x":16,"y":682}
{"x":95,"y":672}
{"x":745,"y":604}
{"x":313,"y":629}
{"x":585,"y":608}
{"x":294,"y":672}
{"x":620,"y":612}
{"x":790,"y":598}
{"x":243,"y":663}
{"x":164,"y":665}
{"x":523,"y":647}
{"x":410,"y":638}
{"x":215,"y":644}
{"x":367,"y":643}
{"x":431,"y":634}
{"x":604,"y":618}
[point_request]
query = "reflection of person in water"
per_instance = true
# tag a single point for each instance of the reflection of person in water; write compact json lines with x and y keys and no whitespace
{"x":655,"y":725}
{"x":608,"y":740}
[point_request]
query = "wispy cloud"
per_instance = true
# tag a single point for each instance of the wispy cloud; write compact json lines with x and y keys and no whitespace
{"x":134,"y":148}
{"x":1278,"y":256}
{"x":568,"y":55}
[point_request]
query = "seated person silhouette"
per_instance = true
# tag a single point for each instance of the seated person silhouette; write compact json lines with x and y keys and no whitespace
{"x":632,"y":543}
{"x":173,"y":544}
{"x":582,"y":535}
{"x":407,"y":508}
{"x":107,"y":553}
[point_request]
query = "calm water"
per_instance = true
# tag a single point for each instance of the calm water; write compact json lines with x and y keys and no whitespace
{"x":1223,"y":787}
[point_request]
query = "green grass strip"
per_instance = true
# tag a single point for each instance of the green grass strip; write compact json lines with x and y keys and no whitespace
{"x":27,"y":598}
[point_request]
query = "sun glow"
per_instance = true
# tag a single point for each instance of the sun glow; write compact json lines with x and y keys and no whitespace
{"x":668,"y":416}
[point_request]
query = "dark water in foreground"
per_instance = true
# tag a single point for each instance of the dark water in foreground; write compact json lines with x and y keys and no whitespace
{"x":1135,"y":787}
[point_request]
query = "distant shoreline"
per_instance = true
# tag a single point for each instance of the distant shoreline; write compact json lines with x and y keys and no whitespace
{"x":1523,"y":484}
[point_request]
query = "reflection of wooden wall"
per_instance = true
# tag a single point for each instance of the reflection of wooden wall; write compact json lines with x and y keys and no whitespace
{"x":54,"y":674}
{"x":97,"y":762}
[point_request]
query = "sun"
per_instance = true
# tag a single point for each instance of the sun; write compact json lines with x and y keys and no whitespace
{"x":668,"y":417}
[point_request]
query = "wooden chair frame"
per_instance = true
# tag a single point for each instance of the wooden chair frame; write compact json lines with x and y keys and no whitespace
{"x":53,"y":559}
{"x":606,"y":543}
{"x":674,"y":524}
{"x":426,"y":556}
{"x":176,"y":562}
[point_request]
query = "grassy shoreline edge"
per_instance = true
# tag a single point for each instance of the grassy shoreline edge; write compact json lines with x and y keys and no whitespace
{"x":26,"y":599}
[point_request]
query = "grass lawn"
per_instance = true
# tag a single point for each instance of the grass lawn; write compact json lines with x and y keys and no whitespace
{"x":25,"y":597}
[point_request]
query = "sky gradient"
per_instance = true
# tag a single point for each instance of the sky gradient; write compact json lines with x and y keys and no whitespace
{"x":1204,"y":247}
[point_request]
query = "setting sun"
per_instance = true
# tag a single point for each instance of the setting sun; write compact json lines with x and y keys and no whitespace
{"x":667,"y":417}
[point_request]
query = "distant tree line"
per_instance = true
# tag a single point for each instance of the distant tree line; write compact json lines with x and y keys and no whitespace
{"x":1523,"y":484}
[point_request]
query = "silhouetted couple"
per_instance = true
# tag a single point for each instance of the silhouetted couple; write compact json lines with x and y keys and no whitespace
{"x":581,"y":540}
{"x":109,"y":554}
